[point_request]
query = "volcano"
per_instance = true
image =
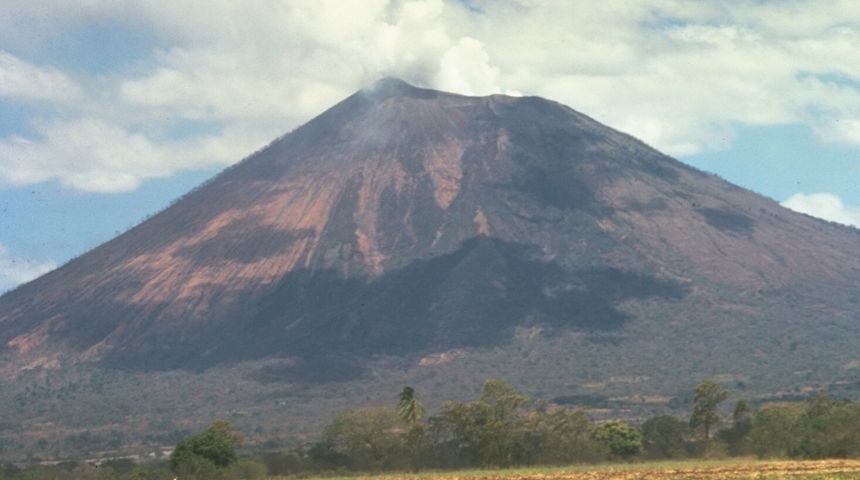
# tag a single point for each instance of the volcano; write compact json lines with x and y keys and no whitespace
{"x":431,"y":227}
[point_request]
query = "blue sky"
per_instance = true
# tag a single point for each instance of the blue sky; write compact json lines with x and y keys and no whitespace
{"x":110,"y":110}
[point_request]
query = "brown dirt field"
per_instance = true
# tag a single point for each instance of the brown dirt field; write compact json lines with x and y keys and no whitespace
{"x":760,"y":470}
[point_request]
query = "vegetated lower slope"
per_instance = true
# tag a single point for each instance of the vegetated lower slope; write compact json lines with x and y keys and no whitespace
{"x":414,"y":234}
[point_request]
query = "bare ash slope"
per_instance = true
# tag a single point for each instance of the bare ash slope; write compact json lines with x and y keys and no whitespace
{"x":406,"y":221}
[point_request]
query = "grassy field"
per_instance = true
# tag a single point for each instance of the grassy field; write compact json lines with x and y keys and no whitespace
{"x":685,"y":470}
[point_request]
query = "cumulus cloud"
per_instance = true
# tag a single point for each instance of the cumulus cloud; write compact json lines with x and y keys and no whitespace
{"x":840,"y":130}
{"x":824,"y":205}
{"x":15,"y":271}
{"x":19,"y":79}
{"x":255,"y":69}
{"x":294,"y":59}
{"x":679,"y":74}
{"x":89,"y":154}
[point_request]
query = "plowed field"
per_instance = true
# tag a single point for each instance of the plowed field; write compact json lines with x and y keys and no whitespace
{"x":738,"y":470}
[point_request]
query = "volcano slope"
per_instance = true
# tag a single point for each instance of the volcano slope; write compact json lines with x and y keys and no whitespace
{"x":412,"y":235}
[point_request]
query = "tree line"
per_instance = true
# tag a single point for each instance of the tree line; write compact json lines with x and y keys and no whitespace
{"x":503,"y":427}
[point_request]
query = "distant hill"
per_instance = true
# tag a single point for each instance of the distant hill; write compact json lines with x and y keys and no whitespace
{"x":410,"y":235}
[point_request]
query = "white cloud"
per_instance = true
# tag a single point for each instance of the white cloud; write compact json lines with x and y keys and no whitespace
{"x":22,"y":80}
{"x":15,"y":271}
{"x":89,"y":154}
{"x":256,"y":68}
{"x":297,"y":58}
{"x":679,"y":74}
{"x":840,"y":130}
{"x":824,"y":205}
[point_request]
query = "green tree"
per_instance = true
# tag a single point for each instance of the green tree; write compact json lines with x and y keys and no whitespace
{"x":828,"y":428}
{"x":773,"y":430}
{"x":502,"y":397}
{"x":408,"y":407}
{"x":736,"y":437}
{"x":246,"y":469}
{"x":485,"y":432}
{"x":368,"y":439}
{"x":664,"y":436}
{"x":214,"y":447}
{"x":706,"y":416}
{"x":620,"y":439}
{"x":821,"y":428}
{"x":148,"y":472}
{"x":284,"y":463}
{"x":505,"y":423}
{"x":562,"y":436}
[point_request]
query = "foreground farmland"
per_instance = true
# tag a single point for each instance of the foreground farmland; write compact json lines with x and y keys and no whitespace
{"x":690,"y":470}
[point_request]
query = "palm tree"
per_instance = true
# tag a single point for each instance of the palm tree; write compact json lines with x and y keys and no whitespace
{"x":409,"y":409}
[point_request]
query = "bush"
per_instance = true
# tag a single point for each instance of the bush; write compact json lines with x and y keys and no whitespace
{"x":284,"y":463}
{"x":369,"y":439}
{"x":212,"y":448}
{"x":246,"y":469}
{"x":664,"y":436}
{"x":148,"y":472}
{"x":827,"y":429}
{"x":620,"y":439}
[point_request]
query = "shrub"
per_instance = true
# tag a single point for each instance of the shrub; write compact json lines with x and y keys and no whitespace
{"x":212,"y":448}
